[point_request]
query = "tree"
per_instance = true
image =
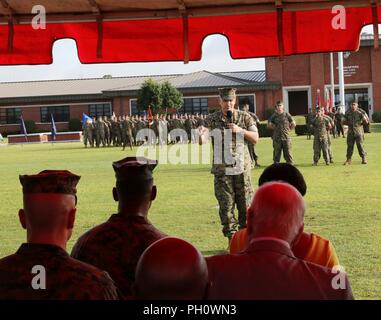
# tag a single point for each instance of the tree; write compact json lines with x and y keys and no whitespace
{"x":149,"y":95}
{"x":171,"y":97}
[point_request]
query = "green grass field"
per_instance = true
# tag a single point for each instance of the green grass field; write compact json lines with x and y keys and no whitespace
{"x":344,"y":202}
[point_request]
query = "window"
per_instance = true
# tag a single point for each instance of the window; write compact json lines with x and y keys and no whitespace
{"x":195,"y":105}
{"x":10,"y":115}
{"x":60,"y":113}
{"x":246,"y":100}
{"x":134,"y":107}
{"x":100,"y":109}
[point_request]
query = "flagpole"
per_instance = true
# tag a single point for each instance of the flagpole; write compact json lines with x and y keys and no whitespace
{"x":332,"y":82}
{"x":341,"y":82}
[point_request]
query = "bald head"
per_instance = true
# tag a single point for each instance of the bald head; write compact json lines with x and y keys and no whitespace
{"x":277,"y":211}
{"x":171,"y":268}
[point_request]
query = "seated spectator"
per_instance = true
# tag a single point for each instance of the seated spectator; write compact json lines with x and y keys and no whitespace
{"x":41,"y":268}
{"x":171,"y":269}
{"x":268,"y":269}
{"x":116,"y":245}
{"x":310,"y":247}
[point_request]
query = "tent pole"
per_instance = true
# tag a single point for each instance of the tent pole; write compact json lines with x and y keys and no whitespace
{"x":341,"y":82}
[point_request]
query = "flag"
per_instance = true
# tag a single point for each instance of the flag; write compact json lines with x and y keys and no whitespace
{"x":327,"y":102}
{"x":23,"y":128}
{"x":85,"y":118}
{"x":150,"y":116}
{"x":318,"y":99}
{"x":144,"y":115}
{"x":54,"y":129}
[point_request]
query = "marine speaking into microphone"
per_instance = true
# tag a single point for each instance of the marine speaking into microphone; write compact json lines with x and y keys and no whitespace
{"x":231,"y":189}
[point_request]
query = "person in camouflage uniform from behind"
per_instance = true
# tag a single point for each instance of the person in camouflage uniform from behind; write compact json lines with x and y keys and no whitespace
{"x":331,"y":125}
{"x":116,"y":245}
{"x":48,"y":216}
{"x":355,"y":119}
{"x":188,"y":127}
{"x":251,"y":146}
{"x":88,"y":133}
{"x":94,"y":129}
{"x":100,"y":132}
{"x":107,"y":131}
{"x":321,"y":126}
{"x":232,"y":177}
{"x":282,"y":123}
{"x":114,"y":131}
{"x":126,"y":132}
{"x":339,"y":123}
{"x":331,"y":114}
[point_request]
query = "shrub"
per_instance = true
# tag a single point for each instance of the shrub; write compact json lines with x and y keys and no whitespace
{"x":301,"y":129}
{"x":376,"y":116}
{"x":264,"y":131}
{"x":30,"y":126}
{"x":269,"y":112}
{"x":75,"y":125}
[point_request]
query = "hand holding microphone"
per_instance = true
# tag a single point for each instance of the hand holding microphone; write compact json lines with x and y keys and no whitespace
{"x":231,"y":125}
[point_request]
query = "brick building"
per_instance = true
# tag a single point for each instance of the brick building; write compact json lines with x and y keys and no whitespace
{"x":69,"y":99}
{"x":294,"y":80}
{"x":302,"y":75}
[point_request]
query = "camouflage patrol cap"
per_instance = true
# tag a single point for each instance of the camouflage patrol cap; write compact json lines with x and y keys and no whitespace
{"x":134,"y":168}
{"x":227,"y":93}
{"x":50,"y":181}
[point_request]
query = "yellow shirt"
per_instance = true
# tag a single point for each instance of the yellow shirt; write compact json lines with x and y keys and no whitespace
{"x":318,"y":250}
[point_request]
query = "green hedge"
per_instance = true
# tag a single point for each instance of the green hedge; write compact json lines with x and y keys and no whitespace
{"x":75,"y":125}
{"x":269,"y":112}
{"x":264,"y":131}
{"x":30,"y":126}
{"x":377,"y":116}
{"x":301,"y":129}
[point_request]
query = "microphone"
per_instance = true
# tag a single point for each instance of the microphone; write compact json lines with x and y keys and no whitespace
{"x":229,"y":115}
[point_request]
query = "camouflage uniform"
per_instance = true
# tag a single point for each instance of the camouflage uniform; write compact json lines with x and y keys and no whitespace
{"x":116,"y":134}
{"x":333,"y":127}
{"x":126,"y":130}
{"x":116,"y":246}
{"x":251,"y":146}
{"x":320,"y":125}
{"x":88,"y":134}
{"x":66,"y":278}
{"x":339,"y":126}
{"x":100,"y":133}
{"x":232,"y":189}
{"x":281,"y":136}
{"x":141,"y":124}
{"x":107,"y":127}
{"x":354,"y":120}
{"x":331,"y":124}
{"x":188,"y":127}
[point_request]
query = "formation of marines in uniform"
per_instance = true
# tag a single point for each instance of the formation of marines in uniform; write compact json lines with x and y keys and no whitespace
{"x":321,"y":125}
{"x":123,"y":131}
